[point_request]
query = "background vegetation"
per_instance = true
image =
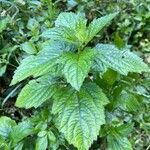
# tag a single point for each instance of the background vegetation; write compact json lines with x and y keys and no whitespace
{"x":22,"y":22}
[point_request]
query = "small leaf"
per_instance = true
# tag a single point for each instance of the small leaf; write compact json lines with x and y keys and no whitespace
{"x":6,"y":125}
{"x":51,"y":136}
{"x":79,"y":115}
{"x":122,"y":61}
{"x":76,"y":67}
{"x":2,"y":69}
{"x":36,"y":92}
{"x":41,"y":143}
{"x":3,"y":23}
{"x":28,"y":47}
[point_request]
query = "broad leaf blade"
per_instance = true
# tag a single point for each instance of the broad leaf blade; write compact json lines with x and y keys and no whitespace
{"x":122,"y":61}
{"x":98,"y":24}
{"x":36,"y":92}
{"x":79,"y":115}
{"x":76,"y":67}
{"x":43,"y":63}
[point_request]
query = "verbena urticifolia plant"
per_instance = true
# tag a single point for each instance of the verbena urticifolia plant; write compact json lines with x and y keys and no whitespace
{"x":65,"y":73}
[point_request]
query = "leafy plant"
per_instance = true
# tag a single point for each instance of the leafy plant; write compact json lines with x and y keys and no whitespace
{"x":67,"y":72}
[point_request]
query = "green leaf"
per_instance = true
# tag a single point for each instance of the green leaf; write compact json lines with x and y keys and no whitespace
{"x":76,"y":67}
{"x":6,"y":125}
{"x":122,"y":61}
{"x":69,"y":27}
{"x":3,"y":23}
{"x":28,"y":47}
{"x":79,"y":115}
{"x":121,"y":143}
{"x":43,"y":63}
{"x":21,"y":131}
{"x":61,"y":33}
{"x":117,"y":137}
{"x":2,"y":69}
{"x":36,"y":92}
{"x":98,"y":24}
{"x":51,"y":136}
{"x":70,"y":20}
{"x":19,"y":146}
{"x":128,"y":101}
{"x":76,"y":22}
{"x":41,"y":143}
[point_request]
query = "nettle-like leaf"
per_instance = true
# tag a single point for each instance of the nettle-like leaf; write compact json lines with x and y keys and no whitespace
{"x":79,"y":115}
{"x":41,"y":64}
{"x":120,"y":143}
{"x":36,"y":92}
{"x":69,"y":27}
{"x":73,"y":28}
{"x":98,"y":24}
{"x":122,"y":61}
{"x":117,"y":137}
{"x":76,"y":67}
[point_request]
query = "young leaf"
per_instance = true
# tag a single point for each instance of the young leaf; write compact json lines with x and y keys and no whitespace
{"x":28,"y":47}
{"x":122,"y":61}
{"x":42,"y":63}
{"x":70,"y":20}
{"x":76,"y":67}
{"x":61,"y":34}
{"x":79,"y":115}
{"x":69,"y":27}
{"x":36,"y":92}
{"x":6,"y":125}
{"x":98,"y":24}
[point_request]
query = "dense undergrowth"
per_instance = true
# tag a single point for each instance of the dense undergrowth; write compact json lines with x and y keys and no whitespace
{"x":74,"y":74}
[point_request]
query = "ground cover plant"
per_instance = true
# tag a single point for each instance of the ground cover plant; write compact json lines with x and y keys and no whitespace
{"x":71,"y":83}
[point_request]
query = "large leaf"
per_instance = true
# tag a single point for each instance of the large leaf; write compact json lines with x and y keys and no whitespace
{"x":98,"y":24}
{"x":6,"y":125}
{"x":122,"y":61}
{"x":42,"y":63}
{"x":36,"y":92}
{"x":79,"y":115}
{"x":76,"y":67}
